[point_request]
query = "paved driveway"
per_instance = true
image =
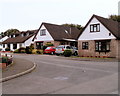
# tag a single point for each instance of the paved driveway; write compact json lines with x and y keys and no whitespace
{"x":60,"y":75}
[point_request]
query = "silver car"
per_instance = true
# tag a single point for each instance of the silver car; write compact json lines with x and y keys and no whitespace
{"x":61,"y":48}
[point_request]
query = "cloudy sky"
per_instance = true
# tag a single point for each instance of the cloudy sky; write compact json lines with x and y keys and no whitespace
{"x":29,"y":14}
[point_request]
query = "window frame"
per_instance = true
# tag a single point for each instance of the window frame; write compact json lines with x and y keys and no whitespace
{"x":3,"y":45}
{"x":85,"y":45}
{"x":42,"y":32}
{"x":102,"y":46}
{"x":95,"y":27}
{"x":14,"y":46}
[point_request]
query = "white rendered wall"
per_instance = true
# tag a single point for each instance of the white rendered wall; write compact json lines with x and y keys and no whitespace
{"x":47,"y":37}
{"x":28,"y":42}
{"x":103,"y":34}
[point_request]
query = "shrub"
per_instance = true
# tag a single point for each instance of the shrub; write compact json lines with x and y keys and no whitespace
{"x":34,"y":51}
{"x":31,"y":46}
{"x":7,"y":49}
{"x":28,"y":50}
{"x":4,"y":59}
{"x":23,"y":51}
{"x":39,"y":51}
{"x":67,"y":53}
{"x":44,"y":47}
{"x":16,"y":51}
{"x":49,"y":44}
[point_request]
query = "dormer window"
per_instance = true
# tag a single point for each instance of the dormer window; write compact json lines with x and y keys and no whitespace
{"x":95,"y":28}
{"x":42,"y":32}
{"x":28,"y":34}
{"x":11,"y":36}
{"x":22,"y":35}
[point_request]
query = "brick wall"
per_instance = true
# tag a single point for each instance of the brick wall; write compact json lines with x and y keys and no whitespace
{"x":91,"y":51}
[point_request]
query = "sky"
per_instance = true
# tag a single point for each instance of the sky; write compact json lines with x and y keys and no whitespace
{"x":29,"y":14}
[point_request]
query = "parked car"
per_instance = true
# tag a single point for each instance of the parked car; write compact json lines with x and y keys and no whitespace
{"x":61,"y":48}
{"x":49,"y":50}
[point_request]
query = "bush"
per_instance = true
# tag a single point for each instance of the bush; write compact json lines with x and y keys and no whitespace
{"x":34,"y":51}
{"x":28,"y":50}
{"x":31,"y":46}
{"x":16,"y":51}
{"x":49,"y":44}
{"x":7,"y":49}
{"x":67,"y":53}
{"x":23,"y":51}
{"x":4,"y":59}
{"x":20,"y":50}
{"x":39,"y":51}
{"x":44,"y":47}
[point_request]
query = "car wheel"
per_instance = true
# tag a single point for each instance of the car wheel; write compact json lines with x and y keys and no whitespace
{"x":52,"y":53}
{"x":75,"y":54}
{"x":57,"y":54}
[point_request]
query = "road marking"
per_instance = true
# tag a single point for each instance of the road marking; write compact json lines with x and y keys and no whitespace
{"x":68,"y":66}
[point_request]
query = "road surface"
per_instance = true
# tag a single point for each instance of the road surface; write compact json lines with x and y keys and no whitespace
{"x":60,"y":75}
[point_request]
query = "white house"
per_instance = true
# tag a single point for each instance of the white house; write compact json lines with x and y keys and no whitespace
{"x":15,"y":41}
{"x":100,"y":37}
{"x":55,"y":34}
{"x":2,"y":40}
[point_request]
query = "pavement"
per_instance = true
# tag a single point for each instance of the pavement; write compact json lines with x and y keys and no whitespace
{"x":18,"y":68}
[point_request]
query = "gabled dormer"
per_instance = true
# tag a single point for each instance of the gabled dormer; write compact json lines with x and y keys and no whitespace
{"x":99,"y":28}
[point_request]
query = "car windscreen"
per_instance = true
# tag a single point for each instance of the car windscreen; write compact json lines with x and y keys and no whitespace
{"x":48,"y":48}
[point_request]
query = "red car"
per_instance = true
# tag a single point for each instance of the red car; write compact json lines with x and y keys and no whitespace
{"x":50,"y":50}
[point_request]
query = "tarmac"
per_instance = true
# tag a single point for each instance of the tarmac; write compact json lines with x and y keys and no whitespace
{"x":22,"y":66}
{"x":18,"y":68}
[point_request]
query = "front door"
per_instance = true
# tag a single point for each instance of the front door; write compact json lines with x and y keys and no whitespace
{"x":39,"y":45}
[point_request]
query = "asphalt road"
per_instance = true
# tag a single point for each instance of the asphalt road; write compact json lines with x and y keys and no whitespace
{"x":60,"y":75}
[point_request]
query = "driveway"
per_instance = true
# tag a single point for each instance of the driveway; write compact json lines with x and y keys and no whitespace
{"x":60,"y":75}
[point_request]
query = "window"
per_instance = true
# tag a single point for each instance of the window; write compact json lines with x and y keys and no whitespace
{"x":95,"y":28}
{"x":68,"y":47}
{"x":84,"y":45}
{"x":42,"y":32}
{"x":11,"y":36}
{"x":109,"y":34}
{"x":14,"y":46}
{"x":8,"y":45}
{"x":3,"y":45}
{"x":20,"y":44}
{"x":102,"y":46}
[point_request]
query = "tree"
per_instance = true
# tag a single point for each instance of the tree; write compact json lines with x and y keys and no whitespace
{"x":2,"y":35}
{"x":10,"y":31}
{"x":74,"y":25}
{"x":115,"y":17}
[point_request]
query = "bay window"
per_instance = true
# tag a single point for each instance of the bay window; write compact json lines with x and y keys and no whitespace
{"x":102,"y":46}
